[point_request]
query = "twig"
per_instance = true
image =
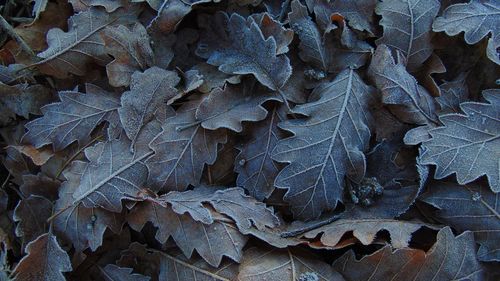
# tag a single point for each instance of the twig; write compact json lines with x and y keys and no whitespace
{"x":6,"y":181}
{"x":12,"y":33}
{"x":21,"y":19}
{"x":301,"y":230}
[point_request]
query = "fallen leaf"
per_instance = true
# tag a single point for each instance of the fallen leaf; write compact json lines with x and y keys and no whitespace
{"x":254,"y":165}
{"x":131,"y":51}
{"x":44,"y":260}
{"x":242,"y":49}
{"x":181,"y":150}
{"x":315,"y":176}
{"x":407,"y":28}
{"x":470,"y":207}
{"x":114,"y":172}
{"x":286,"y":264}
{"x":83,"y":227}
{"x":229,"y":107}
{"x":399,"y":88}
{"x":476,"y":19}
{"x":450,"y":258}
{"x":73,"y":118}
{"x":467,"y":144}
{"x":149,"y":91}
{"x":73,"y":51}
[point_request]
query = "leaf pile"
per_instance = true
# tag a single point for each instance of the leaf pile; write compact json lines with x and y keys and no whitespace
{"x":250,"y":140}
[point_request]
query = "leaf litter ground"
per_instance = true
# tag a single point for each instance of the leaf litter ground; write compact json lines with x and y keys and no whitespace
{"x":250,"y":140}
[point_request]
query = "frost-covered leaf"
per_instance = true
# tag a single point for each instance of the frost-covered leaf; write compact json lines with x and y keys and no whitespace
{"x":31,"y":215}
{"x":149,"y":91}
{"x":22,"y":100}
{"x":83,"y":227}
{"x":131,"y":51}
{"x":476,"y":19}
{"x":211,"y":241}
{"x":470,"y":207}
{"x":221,"y":172}
{"x":171,"y":12}
{"x":350,"y":52}
{"x":44,"y":260}
{"x":399,"y":88}
{"x":182,"y":150}
{"x":72,"y":51}
{"x":229,"y":107}
{"x":327,"y":146}
{"x":114,"y":172}
{"x":271,"y":27}
{"x":467,"y":145}
{"x":73,"y":118}
{"x":240,"y":48}
{"x":256,"y":170}
{"x":407,"y":28}
{"x":453,"y":93}
{"x":359,"y":14}
{"x":284,"y":264}
{"x":115,"y":273}
{"x":451,"y":258}
{"x":232,"y":202}
{"x":314,"y":47}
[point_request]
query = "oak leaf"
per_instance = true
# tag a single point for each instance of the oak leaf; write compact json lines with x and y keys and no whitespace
{"x":73,"y":51}
{"x":73,"y":118}
{"x":181,"y":150}
{"x":44,"y":260}
{"x":242,"y":49}
{"x":83,"y":227}
{"x":131,"y":51}
{"x":149,"y":91}
{"x":407,"y":28}
{"x":469,"y":207}
{"x":467,"y":145}
{"x":327,"y":146}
